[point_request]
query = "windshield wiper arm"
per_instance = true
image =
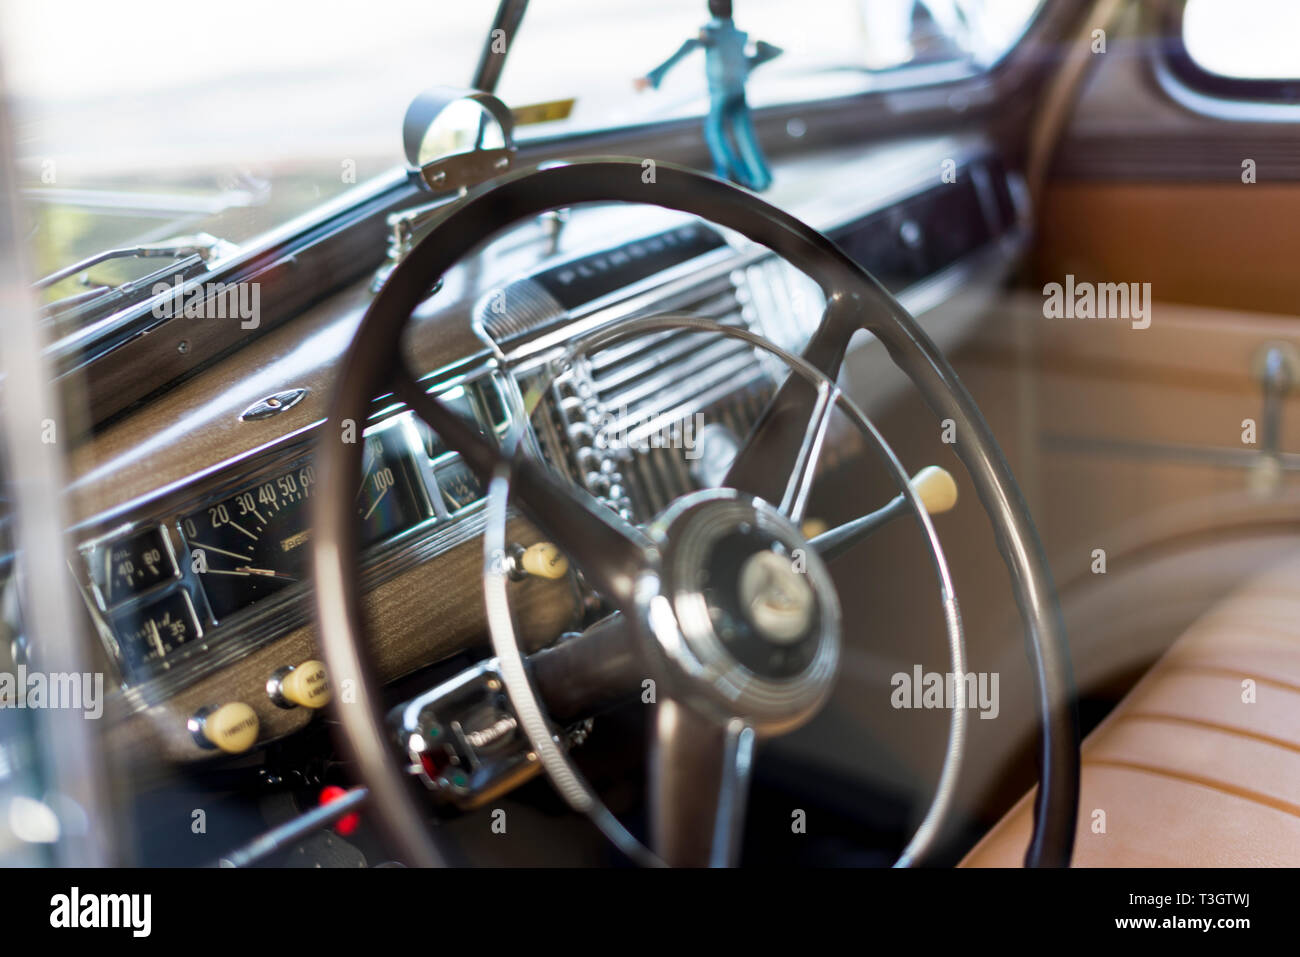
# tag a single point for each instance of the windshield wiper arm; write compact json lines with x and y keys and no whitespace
{"x":102,"y":299}
{"x":76,"y":299}
{"x":203,"y":245}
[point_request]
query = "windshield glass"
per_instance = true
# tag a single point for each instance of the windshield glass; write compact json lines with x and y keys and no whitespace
{"x":139,"y":122}
{"x":229,"y":120}
{"x":583,"y":58}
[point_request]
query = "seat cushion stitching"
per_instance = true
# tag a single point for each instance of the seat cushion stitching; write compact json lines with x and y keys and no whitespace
{"x":1258,"y":798}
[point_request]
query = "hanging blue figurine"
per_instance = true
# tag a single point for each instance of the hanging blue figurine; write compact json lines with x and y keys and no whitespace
{"x":728,"y":130}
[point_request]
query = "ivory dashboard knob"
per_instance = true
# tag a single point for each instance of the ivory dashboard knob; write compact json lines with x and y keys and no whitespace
{"x":936,"y":489}
{"x":812,"y":527}
{"x":231,"y":727}
{"x":304,"y":686}
{"x":543,"y":560}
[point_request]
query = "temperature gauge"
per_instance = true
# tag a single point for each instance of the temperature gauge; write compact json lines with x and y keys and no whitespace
{"x":459,"y":485}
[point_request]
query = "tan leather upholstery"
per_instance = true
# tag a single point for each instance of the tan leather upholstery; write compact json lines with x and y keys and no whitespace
{"x":1188,"y":771}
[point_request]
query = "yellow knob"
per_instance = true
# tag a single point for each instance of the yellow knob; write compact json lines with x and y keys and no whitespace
{"x":935,"y":488}
{"x":232,"y":727}
{"x":544,"y":560}
{"x":307,"y":685}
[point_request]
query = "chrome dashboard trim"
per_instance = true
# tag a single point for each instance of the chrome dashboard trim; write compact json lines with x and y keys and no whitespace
{"x":273,"y":405}
{"x":740,"y":273}
{"x":683,"y":277}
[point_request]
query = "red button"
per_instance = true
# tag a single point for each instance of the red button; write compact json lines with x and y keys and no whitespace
{"x":348,"y":822}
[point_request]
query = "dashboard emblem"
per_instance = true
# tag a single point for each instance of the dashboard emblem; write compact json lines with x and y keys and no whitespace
{"x":273,"y":405}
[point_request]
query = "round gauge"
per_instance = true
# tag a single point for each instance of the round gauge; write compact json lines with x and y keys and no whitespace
{"x":459,"y":485}
{"x":131,"y":565}
{"x":150,"y":635}
{"x":251,"y":545}
{"x":255,"y":543}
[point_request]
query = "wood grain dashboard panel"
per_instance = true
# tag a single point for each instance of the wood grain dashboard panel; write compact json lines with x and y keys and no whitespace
{"x":194,"y":435}
{"x":428,"y":613}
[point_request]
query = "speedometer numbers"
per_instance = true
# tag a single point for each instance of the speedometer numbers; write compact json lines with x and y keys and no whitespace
{"x":256,"y":542}
{"x":392,"y":496}
{"x":251,"y":545}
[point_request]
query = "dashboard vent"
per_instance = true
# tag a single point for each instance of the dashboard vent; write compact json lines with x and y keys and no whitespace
{"x":677,"y":372}
{"x":630,"y":412}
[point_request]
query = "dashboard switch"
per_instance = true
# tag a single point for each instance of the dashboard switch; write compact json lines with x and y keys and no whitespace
{"x":303,"y":686}
{"x":542,"y":560}
{"x":232,"y":727}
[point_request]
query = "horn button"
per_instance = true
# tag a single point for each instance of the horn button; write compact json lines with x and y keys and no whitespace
{"x":754,"y":612}
{"x":760,"y":604}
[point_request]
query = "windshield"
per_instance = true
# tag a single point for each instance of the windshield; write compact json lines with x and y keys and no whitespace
{"x":142,"y":121}
{"x":582,"y":58}
{"x":187,"y":119}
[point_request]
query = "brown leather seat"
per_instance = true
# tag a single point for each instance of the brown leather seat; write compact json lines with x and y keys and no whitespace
{"x":1199,"y":766}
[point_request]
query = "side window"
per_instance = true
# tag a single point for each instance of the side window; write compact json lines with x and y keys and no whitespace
{"x":1238,"y":49}
{"x":1244,"y":39}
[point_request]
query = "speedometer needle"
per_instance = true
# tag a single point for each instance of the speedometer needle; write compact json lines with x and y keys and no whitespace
{"x":266,"y":572}
{"x":375,"y":503}
{"x":157,"y":639}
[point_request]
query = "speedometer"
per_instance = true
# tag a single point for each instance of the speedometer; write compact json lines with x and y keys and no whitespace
{"x":255,"y":543}
{"x":251,"y":545}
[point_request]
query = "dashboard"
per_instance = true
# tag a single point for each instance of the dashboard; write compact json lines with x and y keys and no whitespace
{"x":196,"y":572}
{"x":171,"y":592}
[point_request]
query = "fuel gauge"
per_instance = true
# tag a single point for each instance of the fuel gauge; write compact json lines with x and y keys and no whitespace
{"x":151,"y":635}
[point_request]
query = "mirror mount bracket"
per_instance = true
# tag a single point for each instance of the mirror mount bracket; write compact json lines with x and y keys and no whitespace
{"x":456,"y":171}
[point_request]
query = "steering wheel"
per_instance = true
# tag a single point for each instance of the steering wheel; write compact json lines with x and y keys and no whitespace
{"x":719,"y":695}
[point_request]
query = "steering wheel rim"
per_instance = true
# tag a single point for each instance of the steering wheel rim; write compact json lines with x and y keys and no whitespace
{"x":376,"y":350}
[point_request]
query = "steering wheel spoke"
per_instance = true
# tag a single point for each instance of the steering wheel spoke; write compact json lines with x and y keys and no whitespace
{"x":699,"y":783}
{"x":798,"y":484}
{"x":778,"y":458}
{"x":610,"y":551}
